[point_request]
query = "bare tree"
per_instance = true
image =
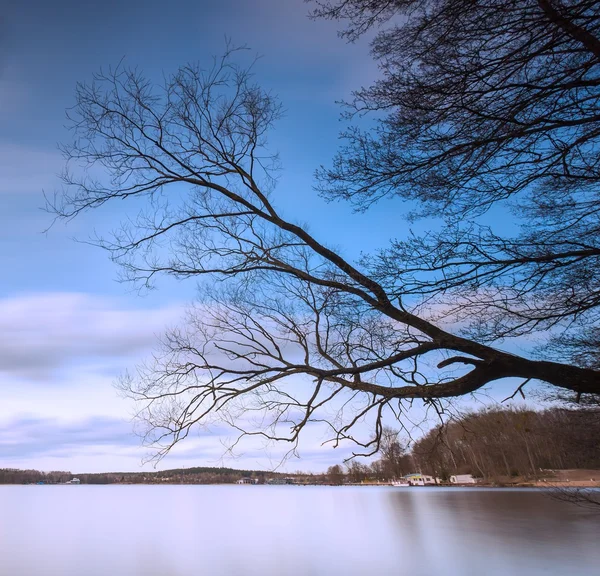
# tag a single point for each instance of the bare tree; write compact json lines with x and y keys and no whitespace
{"x":484,"y":105}
{"x":357,"y":471}
{"x":335,"y":475}
{"x":395,"y":462}
{"x":286,"y":331}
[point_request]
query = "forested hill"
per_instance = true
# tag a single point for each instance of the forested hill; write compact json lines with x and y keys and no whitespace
{"x":498,"y":443}
{"x":194,"y":475}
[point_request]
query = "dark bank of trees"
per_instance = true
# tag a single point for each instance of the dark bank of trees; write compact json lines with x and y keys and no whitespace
{"x":481,"y":105}
{"x":192,"y":475}
{"x":493,"y":444}
{"x":497,"y":443}
{"x":15,"y":476}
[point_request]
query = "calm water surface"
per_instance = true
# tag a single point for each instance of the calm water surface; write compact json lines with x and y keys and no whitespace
{"x":291,"y":531}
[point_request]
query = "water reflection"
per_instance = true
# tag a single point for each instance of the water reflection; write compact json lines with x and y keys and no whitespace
{"x":455,"y":531}
{"x":287,"y":530}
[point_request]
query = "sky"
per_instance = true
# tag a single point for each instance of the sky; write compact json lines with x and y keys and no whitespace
{"x":68,"y":328}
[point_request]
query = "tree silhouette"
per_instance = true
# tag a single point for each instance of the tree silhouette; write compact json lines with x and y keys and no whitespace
{"x":486,"y":105}
{"x":287,"y":331}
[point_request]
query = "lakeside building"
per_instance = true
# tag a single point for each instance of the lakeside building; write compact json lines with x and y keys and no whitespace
{"x":463,"y":479}
{"x":421,"y":480}
{"x":280,"y":481}
{"x":248,"y":481}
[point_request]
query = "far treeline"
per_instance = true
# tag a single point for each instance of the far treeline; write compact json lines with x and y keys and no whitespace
{"x":194,"y":475}
{"x":493,"y":444}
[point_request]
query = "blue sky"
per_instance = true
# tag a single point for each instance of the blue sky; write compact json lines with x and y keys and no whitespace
{"x":67,"y":327}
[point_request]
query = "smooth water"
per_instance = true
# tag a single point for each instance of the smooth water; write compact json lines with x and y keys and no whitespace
{"x":291,"y":531}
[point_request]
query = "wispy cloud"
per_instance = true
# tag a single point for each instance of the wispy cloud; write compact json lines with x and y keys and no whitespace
{"x":29,"y":437}
{"x":44,"y":333}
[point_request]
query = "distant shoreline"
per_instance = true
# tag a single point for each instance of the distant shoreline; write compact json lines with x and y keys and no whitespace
{"x":546,"y":478}
{"x":481,"y":485}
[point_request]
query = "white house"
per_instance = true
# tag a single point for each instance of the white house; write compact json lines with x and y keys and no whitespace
{"x":463,"y":479}
{"x":421,"y":479}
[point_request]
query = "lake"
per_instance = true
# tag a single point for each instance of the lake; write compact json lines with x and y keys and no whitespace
{"x":292,"y":531}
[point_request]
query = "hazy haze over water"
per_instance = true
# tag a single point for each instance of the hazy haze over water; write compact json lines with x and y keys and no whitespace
{"x":291,"y":531}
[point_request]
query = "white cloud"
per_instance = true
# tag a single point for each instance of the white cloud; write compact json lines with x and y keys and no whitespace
{"x":42,"y":334}
{"x":27,"y":437}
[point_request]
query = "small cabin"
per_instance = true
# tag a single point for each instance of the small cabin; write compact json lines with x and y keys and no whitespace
{"x":462,"y":479}
{"x":278,"y":480}
{"x":420,"y":480}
